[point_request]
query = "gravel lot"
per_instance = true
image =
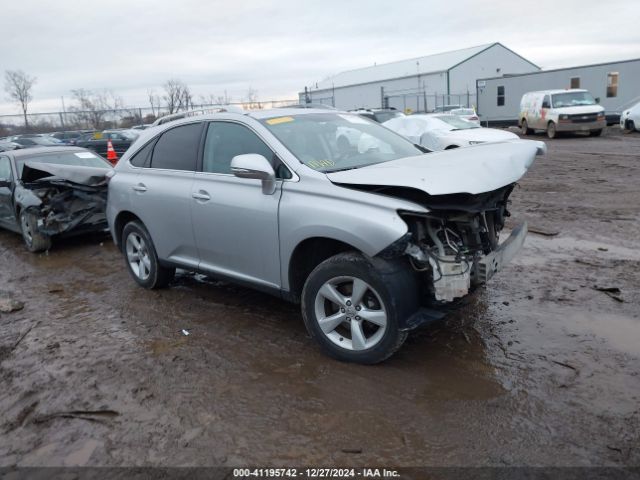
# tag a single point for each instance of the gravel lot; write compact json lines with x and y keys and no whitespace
{"x":540,"y":369}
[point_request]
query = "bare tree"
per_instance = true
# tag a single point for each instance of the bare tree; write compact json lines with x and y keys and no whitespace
{"x":251,"y":99}
{"x":154,"y":101}
{"x":19,"y":85}
{"x":92,"y":107}
{"x":177,"y":95}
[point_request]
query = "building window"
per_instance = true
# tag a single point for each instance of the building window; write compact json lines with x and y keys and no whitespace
{"x":575,"y":82}
{"x":500,"y":96}
{"x":612,"y":84}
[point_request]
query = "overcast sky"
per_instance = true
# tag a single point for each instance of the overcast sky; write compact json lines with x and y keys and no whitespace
{"x":278,"y":47}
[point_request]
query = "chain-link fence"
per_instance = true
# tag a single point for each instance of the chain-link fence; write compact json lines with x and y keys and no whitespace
{"x":416,"y":101}
{"x":105,"y":119}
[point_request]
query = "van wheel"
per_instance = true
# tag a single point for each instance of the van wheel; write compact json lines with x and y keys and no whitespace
{"x":33,"y":239}
{"x":525,"y":128}
{"x":142,"y":259}
{"x":551,"y":130}
{"x":595,"y":133}
{"x":631,"y":126}
{"x":353,"y":306}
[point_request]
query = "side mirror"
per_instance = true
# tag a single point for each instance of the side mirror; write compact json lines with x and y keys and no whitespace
{"x":253,"y":165}
{"x":5,"y":183}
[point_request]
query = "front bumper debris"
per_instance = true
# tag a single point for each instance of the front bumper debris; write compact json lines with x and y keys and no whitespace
{"x":488,"y":265}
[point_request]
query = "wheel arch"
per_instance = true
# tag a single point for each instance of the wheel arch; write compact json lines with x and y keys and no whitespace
{"x":306,"y":256}
{"x":121,"y":220}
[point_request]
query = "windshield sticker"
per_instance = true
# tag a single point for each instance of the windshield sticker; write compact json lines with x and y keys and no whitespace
{"x":279,"y":120}
{"x":354,"y":119}
{"x":321,"y":163}
{"x":97,"y":135}
{"x":85,"y":155}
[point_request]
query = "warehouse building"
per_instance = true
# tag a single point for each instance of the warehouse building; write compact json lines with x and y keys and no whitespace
{"x":418,"y":84}
{"x":616,"y":85}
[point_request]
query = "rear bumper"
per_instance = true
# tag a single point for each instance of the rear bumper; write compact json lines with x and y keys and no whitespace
{"x":492,"y":263}
{"x":565,"y":126}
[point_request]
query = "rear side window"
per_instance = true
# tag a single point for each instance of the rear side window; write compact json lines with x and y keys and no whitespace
{"x":177,"y":149}
{"x":225,"y":140}
{"x":143,"y":157}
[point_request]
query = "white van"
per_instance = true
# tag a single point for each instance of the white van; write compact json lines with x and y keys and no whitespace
{"x":571,"y":110}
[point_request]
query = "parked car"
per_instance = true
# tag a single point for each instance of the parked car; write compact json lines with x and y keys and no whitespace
{"x":97,"y":141}
{"x":571,"y":110}
{"x":468,"y":114}
{"x":52,"y":191}
{"x":445,"y":108}
{"x":630,"y":119}
{"x":36,"y":141}
{"x":380,"y":115}
{"x":445,"y":131}
{"x":7,"y":146}
{"x":68,"y":138}
{"x":371,"y":243}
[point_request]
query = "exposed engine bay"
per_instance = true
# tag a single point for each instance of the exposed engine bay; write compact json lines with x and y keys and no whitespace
{"x":455,"y":246}
{"x":62,"y":200}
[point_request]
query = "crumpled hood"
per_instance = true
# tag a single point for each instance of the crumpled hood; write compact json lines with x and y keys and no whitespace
{"x":477,"y":169}
{"x":91,"y":176}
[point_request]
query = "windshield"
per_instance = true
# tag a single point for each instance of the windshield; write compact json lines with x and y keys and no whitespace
{"x":572,"y":99}
{"x":456,"y":123}
{"x":80,"y":159}
{"x":335,"y":141}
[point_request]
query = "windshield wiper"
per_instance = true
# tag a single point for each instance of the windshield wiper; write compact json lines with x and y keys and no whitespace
{"x":339,"y":169}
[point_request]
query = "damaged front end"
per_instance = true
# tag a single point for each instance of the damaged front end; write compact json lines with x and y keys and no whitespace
{"x":64,"y":200}
{"x":455,"y":246}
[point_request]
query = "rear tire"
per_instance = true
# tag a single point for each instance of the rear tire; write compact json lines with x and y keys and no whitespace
{"x":525,"y":128}
{"x":596,"y":133}
{"x":631,"y":126}
{"x":33,"y":239}
{"x":551,"y":130}
{"x":141,"y":258}
{"x":353,"y":306}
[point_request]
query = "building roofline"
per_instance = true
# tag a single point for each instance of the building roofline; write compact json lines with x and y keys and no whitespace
{"x":513,"y":75}
{"x":413,"y":75}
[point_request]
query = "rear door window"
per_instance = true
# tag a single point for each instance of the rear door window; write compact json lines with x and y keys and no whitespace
{"x":177,"y":149}
{"x":5,"y":168}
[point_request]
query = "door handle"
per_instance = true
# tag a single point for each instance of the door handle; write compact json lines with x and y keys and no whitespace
{"x":201,"y":195}
{"x":140,"y":188}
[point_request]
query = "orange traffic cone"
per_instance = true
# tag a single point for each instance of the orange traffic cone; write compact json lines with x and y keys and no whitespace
{"x":112,"y":156}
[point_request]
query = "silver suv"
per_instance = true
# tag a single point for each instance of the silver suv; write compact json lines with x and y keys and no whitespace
{"x":372,"y":236}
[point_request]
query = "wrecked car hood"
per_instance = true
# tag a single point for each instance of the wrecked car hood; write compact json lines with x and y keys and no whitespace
{"x":91,"y":176}
{"x":477,"y":169}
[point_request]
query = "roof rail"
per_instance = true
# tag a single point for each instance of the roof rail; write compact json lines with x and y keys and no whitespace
{"x":195,"y":113}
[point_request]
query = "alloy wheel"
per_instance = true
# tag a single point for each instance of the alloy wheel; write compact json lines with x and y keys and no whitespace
{"x":350,"y":313}
{"x":138,"y":256}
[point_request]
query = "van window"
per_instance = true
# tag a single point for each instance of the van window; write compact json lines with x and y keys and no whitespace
{"x":501,"y":96}
{"x":546,"y":102}
{"x":612,"y":84}
{"x":575,"y":82}
{"x":177,"y":149}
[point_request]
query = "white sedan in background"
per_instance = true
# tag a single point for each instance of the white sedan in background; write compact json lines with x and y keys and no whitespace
{"x":444,"y":131}
{"x":630,"y":119}
{"x":466,"y":113}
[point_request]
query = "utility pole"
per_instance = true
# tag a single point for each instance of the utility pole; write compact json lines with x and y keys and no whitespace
{"x":64,"y":113}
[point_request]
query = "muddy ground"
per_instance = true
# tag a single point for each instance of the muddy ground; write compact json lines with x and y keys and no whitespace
{"x":539,"y":369}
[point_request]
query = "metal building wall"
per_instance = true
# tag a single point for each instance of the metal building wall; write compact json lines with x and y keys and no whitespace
{"x":592,"y":78}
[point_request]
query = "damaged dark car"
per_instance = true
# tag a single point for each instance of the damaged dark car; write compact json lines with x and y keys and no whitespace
{"x":52,"y":192}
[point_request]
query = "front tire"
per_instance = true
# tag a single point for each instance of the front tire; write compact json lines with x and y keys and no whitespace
{"x":33,"y":239}
{"x":141,"y":258}
{"x":595,"y":133}
{"x":354,"y":306}
{"x":551,"y":130}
